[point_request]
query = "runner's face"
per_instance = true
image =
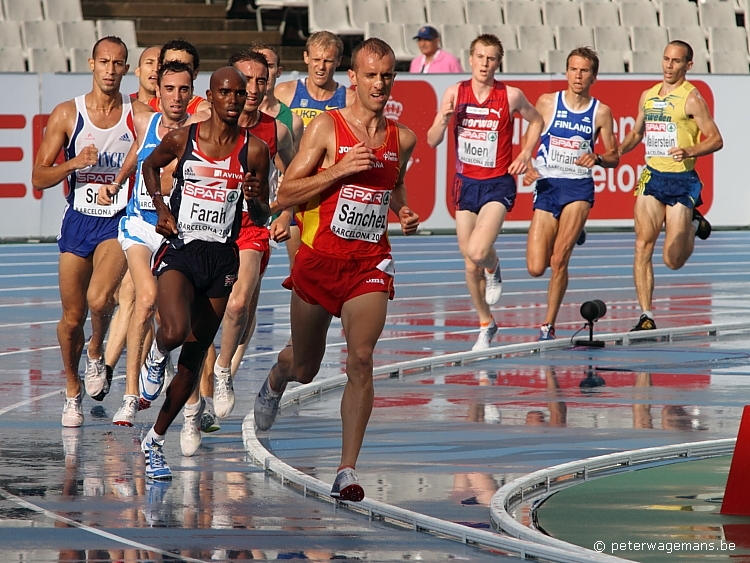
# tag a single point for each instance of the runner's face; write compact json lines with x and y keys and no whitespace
{"x":674,"y":64}
{"x":175,"y":91}
{"x":580,"y":75}
{"x":109,"y":66}
{"x":373,"y":80}
{"x":227,"y":98}
{"x":257,"y":83}
{"x":181,"y":56}
{"x":484,"y":62}
{"x":147,"y":70}
{"x":274,"y":70}
{"x":321,"y":64}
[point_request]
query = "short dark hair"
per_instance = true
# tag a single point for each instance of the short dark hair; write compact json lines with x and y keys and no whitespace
{"x":373,"y":45}
{"x":181,"y":45}
{"x":261,"y":46}
{"x":250,"y":56}
{"x":140,"y":58}
{"x":174,"y":67}
{"x":490,"y":41}
{"x":685,"y":45}
{"x":585,"y":53}
{"x":110,"y":39}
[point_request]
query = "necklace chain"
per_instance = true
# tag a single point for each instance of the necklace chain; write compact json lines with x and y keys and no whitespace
{"x":177,"y":125}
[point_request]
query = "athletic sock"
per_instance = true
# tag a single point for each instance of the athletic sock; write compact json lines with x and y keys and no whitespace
{"x":649,"y":314}
{"x":485,"y":325}
{"x":218,"y":370}
{"x":153,"y":435}
{"x":192,"y":409}
{"x":209,"y":403}
{"x":342,"y":467}
{"x":492,"y":270}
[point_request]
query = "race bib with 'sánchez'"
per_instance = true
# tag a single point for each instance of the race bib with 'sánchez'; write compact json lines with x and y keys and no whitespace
{"x":361,"y":213}
{"x":660,"y":137}
{"x":477,"y":147}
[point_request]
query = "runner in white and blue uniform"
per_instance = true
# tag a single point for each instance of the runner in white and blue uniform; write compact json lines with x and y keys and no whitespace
{"x":138,"y":236}
{"x":564,"y":191}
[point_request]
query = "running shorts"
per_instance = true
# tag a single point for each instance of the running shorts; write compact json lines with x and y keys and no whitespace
{"x":471,"y":195}
{"x":80,"y":234}
{"x":320,"y":279}
{"x":671,"y":187}
{"x":211,"y":267}
{"x":135,"y":230}
{"x":552,"y":194}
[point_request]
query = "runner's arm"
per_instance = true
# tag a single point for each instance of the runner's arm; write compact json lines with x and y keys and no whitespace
{"x":610,"y":158}
{"x":129,"y":165}
{"x":284,"y":146}
{"x":436,"y":133}
{"x":635,"y":135}
{"x":46,"y":173}
{"x":518,"y":103}
{"x":298,"y":127}
{"x":255,"y":186}
{"x":284,"y":92}
{"x":697,"y":107}
{"x":408,"y":219}
{"x":301,"y":182}
{"x":171,"y":147}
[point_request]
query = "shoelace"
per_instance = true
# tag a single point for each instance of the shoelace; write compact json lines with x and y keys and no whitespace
{"x":156,"y":456}
{"x":70,"y":403}
{"x":222,"y":389}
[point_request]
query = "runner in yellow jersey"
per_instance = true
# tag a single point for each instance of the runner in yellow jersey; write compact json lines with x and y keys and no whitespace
{"x":672,"y":116}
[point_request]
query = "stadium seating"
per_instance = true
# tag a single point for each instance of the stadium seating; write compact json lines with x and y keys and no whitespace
{"x":717,"y":14}
{"x":62,"y":10}
{"x":728,"y":39}
{"x":330,"y":15}
{"x":561,"y":14}
{"x":457,"y":37}
{"x":23,"y":10}
{"x":522,"y":62}
{"x":409,"y":32}
{"x":570,"y":37}
{"x":445,"y":12}
{"x":10,"y":34}
{"x":678,"y":13}
{"x":727,"y":62}
{"x":600,"y":14}
{"x":644,"y":62}
{"x":39,"y":35}
{"x":124,"y":29}
{"x":554,"y":62}
{"x":406,"y":11}
{"x":505,"y":33}
{"x":77,"y":34}
{"x":363,"y":12}
{"x":611,"y":39}
{"x":638,"y":14}
{"x":12,"y":59}
{"x":391,"y":33}
{"x":536,"y":38}
{"x":611,"y":62}
{"x":484,"y":12}
{"x":649,"y":39}
{"x":52,"y":59}
{"x":79,"y":60}
{"x":522,"y":13}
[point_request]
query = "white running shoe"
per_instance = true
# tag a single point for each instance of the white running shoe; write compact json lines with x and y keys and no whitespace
{"x":152,"y":373}
{"x":267,"y":405}
{"x":346,"y":486}
{"x":190,"y":435}
{"x":223,"y":394}
{"x":95,"y":378}
{"x":493,"y":285}
{"x":72,"y":416}
{"x":485,"y":336}
{"x":125,"y":415}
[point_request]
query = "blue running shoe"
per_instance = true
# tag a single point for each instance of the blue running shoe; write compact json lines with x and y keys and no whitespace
{"x":152,"y":373}
{"x":156,"y":465}
{"x":547,"y":332}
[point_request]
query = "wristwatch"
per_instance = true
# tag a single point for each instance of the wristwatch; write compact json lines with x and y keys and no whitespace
{"x":598,"y":160}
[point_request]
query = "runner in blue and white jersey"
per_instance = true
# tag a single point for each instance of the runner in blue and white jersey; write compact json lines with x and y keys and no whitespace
{"x":564,"y":191}
{"x":137,"y":231}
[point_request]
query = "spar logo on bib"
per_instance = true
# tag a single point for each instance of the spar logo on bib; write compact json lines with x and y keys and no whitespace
{"x":232,"y":196}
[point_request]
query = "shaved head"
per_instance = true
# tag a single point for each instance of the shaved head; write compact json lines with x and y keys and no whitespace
{"x":224,"y":73}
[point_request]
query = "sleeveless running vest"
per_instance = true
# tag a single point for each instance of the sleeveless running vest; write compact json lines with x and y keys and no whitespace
{"x":569,"y":135}
{"x":667,"y":126}
{"x":483,"y":132}
{"x":285,"y":116}
{"x":349,"y":219}
{"x":304,"y":105}
{"x":207,"y":196}
{"x":140,"y":203}
{"x":192,"y":107}
{"x":265,"y":130}
{"x":113,"y":144}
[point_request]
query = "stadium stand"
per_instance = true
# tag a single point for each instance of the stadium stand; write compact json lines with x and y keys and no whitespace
{"x":445,"y":12}
{"x":391,"y":33}
{"x":481,"y":12}
{"x":62,"y":10}
{"x":523,"y":13}
{"x":12,"y":59}
{"x":570,"y":37}
{"x":52,"y":59}
{"x":363,"y":12}
{"x":728,"y":62}
{"x":23,"y":10}
{"x":561,"y":14}
{"x":521,"y":62}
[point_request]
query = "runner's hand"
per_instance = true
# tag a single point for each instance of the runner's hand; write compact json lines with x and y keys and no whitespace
{"x":106,"y":193}
{"x":166,"y":225}
{"x":409,"y":220}
{"x":531,"y":176}
{"x":280,"y":227}
{"x":358,"y":159}
{"x":678,"y":154}
{"x":518,"y":166}
{"x":587,"y":160}
{"x":447,"y":109}
{"x":87,"y":157}
{"x":250,"y":186}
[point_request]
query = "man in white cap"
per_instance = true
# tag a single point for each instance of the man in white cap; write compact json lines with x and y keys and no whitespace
{"x":433,"y":59}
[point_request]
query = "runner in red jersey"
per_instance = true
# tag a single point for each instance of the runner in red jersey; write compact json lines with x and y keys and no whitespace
{"x":484,"y":188}
{"x":239,"y":318}
{"x":348,"y":174}
{"x":184,"y":52}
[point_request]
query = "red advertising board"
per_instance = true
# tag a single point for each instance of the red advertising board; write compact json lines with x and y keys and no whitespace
{"x":614,"y":186}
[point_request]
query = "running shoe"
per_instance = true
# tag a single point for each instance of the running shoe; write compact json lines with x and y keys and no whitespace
{"x":190,"y":435}
{"x":346,"y":486}
{"x":72,"y":416}
{"x":152,"y":373}
{"x":485,"y":336}
{"x":223,"y":394}
{"x":494,"y":285}
{"x":143,"y":404}
{"x":156,"y":465}
{"x":267,"y":405}
{"x":644,"y":323}
{"x":125,"y":415}
{"x":547,"y":332}
{"x":96,"y":378}
{"x":702,"y":226}
{"x":208,"y":418}
{"x":581,"y":238}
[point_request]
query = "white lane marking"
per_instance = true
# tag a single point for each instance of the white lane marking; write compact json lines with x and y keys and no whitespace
{"x":8,"y":264}
{"x":5,"y":276}
{"x":30,"y":288}
{"x":28,"y":350}
{"x":97,"y":532}
{"x":30,"y":304}
{"x":29,"y":401}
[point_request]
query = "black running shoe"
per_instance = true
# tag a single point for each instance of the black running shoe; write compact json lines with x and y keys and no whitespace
{"x":581,"y":238}
{"x":644,"y":323}
{"x":703,"y":228}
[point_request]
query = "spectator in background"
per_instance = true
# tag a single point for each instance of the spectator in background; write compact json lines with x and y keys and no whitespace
{"x":433,"y":59}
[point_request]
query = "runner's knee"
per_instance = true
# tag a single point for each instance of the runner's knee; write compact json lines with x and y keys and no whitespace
{"x":172,"y":335}
{"x":359,"y":362}
{"x":305,"y":374}
{"x":100,"y":303}
{"x":559,"y":261}
{"x":73,"y":321}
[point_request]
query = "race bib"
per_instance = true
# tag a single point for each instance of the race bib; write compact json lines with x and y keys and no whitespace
{"x":206,"y":210}
{"x":660,"y":137}
{"x":361,"y":213}
{"x":88,"y":182}
{"x":563,"y":153}
{"x":144,"y":199}
{"x":477,"y":147}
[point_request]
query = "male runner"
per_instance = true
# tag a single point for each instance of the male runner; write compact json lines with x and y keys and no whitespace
{"x":348,"y":174}
{"x":484,"y":188}
{"x":318,"y":93}
{"x":564,"y":191}
{"x":271,"y":104}
{"x":96,"y":131}
{"x":218,"y":162}
{"x":253,"y":243}
{"x":673,"y":116}
{"x":184,"y":52}
{"x":148,"y":65}
{"x":137,"y":233}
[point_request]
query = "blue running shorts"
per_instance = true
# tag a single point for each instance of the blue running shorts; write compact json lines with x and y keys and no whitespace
{"x":80,"y":234}
{"x":552,"y":194}
{"x":471,"y":195}
{"x":671,"y":187}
